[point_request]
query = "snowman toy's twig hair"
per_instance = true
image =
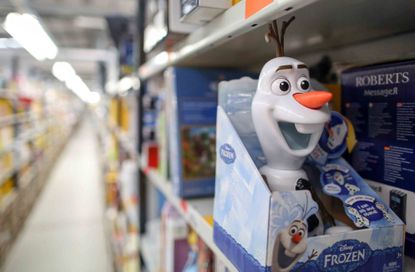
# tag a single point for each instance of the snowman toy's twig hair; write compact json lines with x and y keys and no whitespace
{"x":279,"y":38}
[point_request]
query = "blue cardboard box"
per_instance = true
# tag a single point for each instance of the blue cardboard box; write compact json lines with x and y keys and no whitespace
{"x":380,"y":100}
{"x":191,"y":109}
{"x":251,"y":222}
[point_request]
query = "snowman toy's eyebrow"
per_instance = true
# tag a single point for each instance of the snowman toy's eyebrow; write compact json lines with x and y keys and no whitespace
{"x":284,"y":67}
{"x":302,"y":66}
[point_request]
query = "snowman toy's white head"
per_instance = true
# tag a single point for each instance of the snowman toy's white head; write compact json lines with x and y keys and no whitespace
{"x":288,"y":116}
{"x":289,"y":246}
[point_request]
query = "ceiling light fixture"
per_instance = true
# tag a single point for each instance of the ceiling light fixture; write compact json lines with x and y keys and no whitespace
{"x":27,"y":30}
{"x":66,"y":73}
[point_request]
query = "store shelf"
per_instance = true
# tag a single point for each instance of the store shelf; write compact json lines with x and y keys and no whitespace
{"x":192,"y":211}
{"x":322,"y":28}
{"x":9,"y":173}
{"x":6,"y":202}
{"x":229,"y":25}
{"x":33,"y":133}
{"x":27,"y":178}
{"x":16,"y":118}
{"x":125,"y":141}
{"x":7,"y":120}
{"x":7,"y":149}
{"x":6,"y":175}
{"x":23,"y":138}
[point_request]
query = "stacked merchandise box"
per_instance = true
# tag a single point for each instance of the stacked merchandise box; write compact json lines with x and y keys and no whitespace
{"x":181,"y":250}
{"x":174,"y":244}
{"x":151,"y":109}
{"x":191,"y":107}
{"x":121,"y":175}
{"x":379,"y":100}
{"x":156,"y":122}
{"x":7,"y":132}
{"x":32,"y":145}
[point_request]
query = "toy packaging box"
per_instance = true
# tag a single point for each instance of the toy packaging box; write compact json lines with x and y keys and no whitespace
{"x":174,"y":240}
{"x":201,"y":12}
{"x":252,"y":225}
{"x":191,"y":112}
{"x":379,"y":100}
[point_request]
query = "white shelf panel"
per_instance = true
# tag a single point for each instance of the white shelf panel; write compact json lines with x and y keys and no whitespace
{"x":192,"y":211}
{"x":6,"y":202}
{"x":227,"y":26}
{"x":322,"y":28}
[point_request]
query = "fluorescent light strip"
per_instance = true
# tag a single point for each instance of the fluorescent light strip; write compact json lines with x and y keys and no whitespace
{"x":66,"y":73}
{"x":27,"y":30}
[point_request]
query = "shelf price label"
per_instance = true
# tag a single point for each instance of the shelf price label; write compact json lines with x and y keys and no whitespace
{"x":253,"y":6}
{"x":183,"y":205}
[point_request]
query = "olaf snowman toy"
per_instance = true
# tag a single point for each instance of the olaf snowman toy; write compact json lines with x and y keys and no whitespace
{"x":288,"y":116}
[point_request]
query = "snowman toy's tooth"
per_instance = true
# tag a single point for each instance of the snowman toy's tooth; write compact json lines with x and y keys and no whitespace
{"x":308,"y":128}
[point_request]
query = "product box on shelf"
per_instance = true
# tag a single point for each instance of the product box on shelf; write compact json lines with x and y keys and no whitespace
{"x":202,"y":11}
{"x":379,"y":101}
{"x":200,"y":257}
{"x":163,"y":26}
{"x":175,"y":247}
{"x":175,"y":22}
{"x":150,"y":147}
{"x":191,"y":110}
{"x":6,"y":131}
{"x":263,"y":230}
{"x":161,"y":137}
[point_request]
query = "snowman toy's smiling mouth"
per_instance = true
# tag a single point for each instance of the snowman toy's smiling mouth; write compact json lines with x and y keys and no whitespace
{"x":285,"y":256}
{"x":297,"y":135}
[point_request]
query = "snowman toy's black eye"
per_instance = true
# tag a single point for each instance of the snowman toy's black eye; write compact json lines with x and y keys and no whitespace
{"x":293,"y":230}
{"x":284,"y":86}
{"x":303,"y":84}
{"x":281,"y":86}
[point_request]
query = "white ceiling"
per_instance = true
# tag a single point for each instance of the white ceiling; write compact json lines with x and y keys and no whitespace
{"x":62,"y":18}
{"x":75,"y":24}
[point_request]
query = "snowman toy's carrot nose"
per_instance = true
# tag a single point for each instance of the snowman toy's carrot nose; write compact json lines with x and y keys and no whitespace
{"x":296,"y":238}
{"x":314,"y":99}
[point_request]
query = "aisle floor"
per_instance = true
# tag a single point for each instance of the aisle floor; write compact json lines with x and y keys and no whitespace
{"x":65,"y":231}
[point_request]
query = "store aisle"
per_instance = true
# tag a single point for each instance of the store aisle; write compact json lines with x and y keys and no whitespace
{"x":65,"y":231}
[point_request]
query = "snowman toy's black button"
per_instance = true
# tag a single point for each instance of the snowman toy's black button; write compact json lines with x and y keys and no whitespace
{"x":303,"y":184}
